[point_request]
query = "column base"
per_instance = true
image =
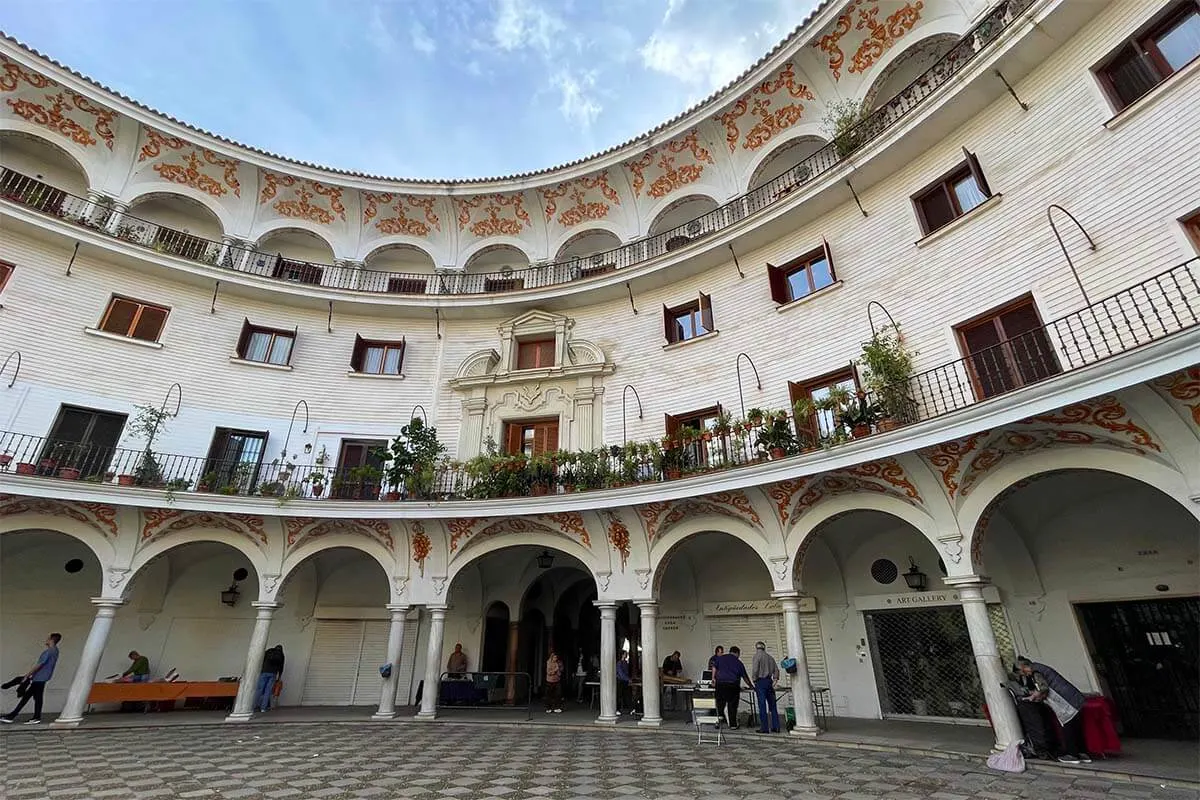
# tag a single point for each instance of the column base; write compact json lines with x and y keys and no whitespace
{"x":805,"y":732}
{"x":235,"y":717}
{"x":602,"y":720}
{"x":650,"y":722}
{"x":382,"y":715}
{"x":64,"y":722}
{"x":426,"y":716}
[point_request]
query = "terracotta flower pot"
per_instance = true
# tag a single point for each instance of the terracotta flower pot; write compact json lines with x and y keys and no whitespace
{"x":318,"y":489}
{"x":859,"y":431}
{"x":778,"y":453}
{"x":125,"y":480}
{"x":887,"y":424}
{"x":673,"y":474}
{"x":539,"y":490}
{"x":26,"y":468}
{"x":5,"y":460}
{"x":68,"y":473}
{"x":393,"y":497}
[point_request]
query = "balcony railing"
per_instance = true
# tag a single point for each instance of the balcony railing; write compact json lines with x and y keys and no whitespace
{"x":1151,"y":310}
{"x":244,"y":258}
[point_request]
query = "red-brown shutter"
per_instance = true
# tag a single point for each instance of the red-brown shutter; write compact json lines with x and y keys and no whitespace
{"x":669,"y":325}
{"x":977,"y":172}
{"x":358,"y":353}
{"x":512,"y":437}
{"x":400,"y":365}
{"x":150,"y":324}
{"x":829,"y":258}
{"x":292,"y":349}
{"x":244,"y":338}
{"x":706,"y":315}
{"x":777,"y":279}
{"x":671,"y":425}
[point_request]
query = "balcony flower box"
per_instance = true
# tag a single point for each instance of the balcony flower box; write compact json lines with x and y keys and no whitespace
{"x":26,"y":468}
{"x":5,"y":460}
{"x":125,"y":480}
{"x":69,"y":473}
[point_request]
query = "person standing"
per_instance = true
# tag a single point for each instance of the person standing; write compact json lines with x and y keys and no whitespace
{"x":1066,"y":701}
{"x":580,"y":678}
{"x":272,"y":671}
{"x":766,"y":675}
{"x":730,"y":673}
{"x":554,"y":674}
{"x":624,"y":690}
{"x":456,"y":665}
{"x":718,"y":651}
{"x":41,"y":672}
{"x":139,"y":670}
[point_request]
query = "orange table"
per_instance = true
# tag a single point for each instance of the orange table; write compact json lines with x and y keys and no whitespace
{"x":159,"y":692}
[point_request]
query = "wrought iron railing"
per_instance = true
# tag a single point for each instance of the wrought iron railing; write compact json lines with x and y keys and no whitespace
{"x":242,"y":257}
{"x":1148,"y":311}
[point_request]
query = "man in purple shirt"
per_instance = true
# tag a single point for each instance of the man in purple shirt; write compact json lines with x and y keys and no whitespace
{"x":730,"y":671}
{"x":41,"y":672}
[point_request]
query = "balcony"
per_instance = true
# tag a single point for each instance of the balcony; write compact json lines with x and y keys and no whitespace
{"x":1158,"y":307}
{"x":33,"y":194}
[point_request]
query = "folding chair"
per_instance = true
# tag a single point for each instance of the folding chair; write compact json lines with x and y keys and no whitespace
{"x":704,"y":714}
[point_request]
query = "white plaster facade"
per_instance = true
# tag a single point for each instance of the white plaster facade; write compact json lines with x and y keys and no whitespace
{"x":1115,"y":520}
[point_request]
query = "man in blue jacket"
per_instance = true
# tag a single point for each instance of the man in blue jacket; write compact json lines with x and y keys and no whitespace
{"x":730,"y":672}
{"x":1065,"y":700}
{"x":41,"y":672}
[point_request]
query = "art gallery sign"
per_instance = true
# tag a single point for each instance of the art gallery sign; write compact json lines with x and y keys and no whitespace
{"x":900,"y":600}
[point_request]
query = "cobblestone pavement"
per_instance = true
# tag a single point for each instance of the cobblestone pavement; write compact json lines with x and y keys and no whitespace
{"x":444,"y":760}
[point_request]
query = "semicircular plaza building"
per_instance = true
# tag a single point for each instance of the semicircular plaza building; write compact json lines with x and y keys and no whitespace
{"x":886,"y":354}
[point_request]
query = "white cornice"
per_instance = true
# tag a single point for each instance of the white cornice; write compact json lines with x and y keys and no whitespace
{"x":1127,"y":369}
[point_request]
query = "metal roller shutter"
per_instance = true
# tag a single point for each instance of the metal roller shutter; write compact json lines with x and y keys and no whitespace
{"x":814,"y":650}
{"x":334,"y":663}
{"x":769,"y":629}
{"x":372,"y":654}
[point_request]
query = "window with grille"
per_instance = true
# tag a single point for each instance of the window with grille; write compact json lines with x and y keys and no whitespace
{"x":266,"y":345}
{"x":234,"y":460}
{"x":952,"y":195}
{"x":1007,"y":348}
{"x":82,"y":438}
{"x":1166,"y":45}
{"x":535,"y":353}
{"x":372,"y":357}
{"x":133,"y":318}
{"x":297,"y":271}
{"x":822,"y":422}
{"x":802,"y":276}
{"x":688,"y":321}
{"x":531,"y":437}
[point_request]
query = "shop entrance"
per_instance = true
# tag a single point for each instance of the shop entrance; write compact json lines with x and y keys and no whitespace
{"x":924,"y":665}
{"x":1147,"y":657}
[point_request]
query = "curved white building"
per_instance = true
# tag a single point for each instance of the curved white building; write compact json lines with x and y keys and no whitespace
{"x":205,"y":347}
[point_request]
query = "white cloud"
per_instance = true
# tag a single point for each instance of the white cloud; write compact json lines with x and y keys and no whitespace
{"x":378,"y":33}
{"x":421,"y":40}
{"x":672,"y":7}
{"x":695,"y":62}
{"x":577,"y":104}
{"x":524,"y":24}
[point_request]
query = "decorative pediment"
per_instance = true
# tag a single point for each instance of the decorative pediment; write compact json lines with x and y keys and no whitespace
{"x":572,"y":357}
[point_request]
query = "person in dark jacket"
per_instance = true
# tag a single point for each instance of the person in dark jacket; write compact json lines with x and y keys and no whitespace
{"x":730,"y":672}
{"x":272,"y":671}
{"x":1065,"y":701}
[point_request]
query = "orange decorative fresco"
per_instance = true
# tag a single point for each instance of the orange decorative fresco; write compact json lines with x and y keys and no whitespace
{"x":1184,"y":386}
{"x":12,"y":75}
{"x":584,"y":204}
{"x":191,"y":167}
{"x":55,"y":115}
{"x":98,"y":516}
{"x":159,"y":522}
{"x":883,"y":35}
{"x":760,"y":104}
{"x":304,"y":202}
{"x":830,"y":43}
{"x":302,"y":529}
{"x":421,"y":546}
{"x":671,"y":176}
{"x":400,"y":222}
{"x":618,"y":537}
{"x":502,"y":214}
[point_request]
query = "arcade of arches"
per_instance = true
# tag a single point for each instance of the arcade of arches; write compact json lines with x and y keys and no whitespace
{"x":905,"y":587}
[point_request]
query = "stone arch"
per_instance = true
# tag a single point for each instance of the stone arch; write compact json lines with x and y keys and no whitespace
{"x":667,"y":544}
{"x":164,"y":544}
{"x":471,"y":256}
{"x":669,"y":213}
{"x":345,"y":541}
{"x":803,"y":533}
{"x":56,"y":531}
{"x":409,"y":244}
{"x":75,"y":155}
{"x":300,"y":226}
{"x":193,"y":196}
{"x":480,"y":547}
{"x":599,"y":230}
{"x":789,"y":153}
{"x":995,"y":487}
{"x":96,"y":542}
{"x":900,"y":67}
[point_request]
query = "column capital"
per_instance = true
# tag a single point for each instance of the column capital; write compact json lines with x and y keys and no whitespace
{"x":645,"y":606}
{"x":605,"y":605}
{"x":967,"y":581}
{"x":398,"y":608}
{"x":438,"y":611}
{"x":108,"y":602}
{"x":266,"y":605}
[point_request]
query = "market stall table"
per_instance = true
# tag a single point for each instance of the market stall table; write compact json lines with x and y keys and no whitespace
{"x":164,"y":694}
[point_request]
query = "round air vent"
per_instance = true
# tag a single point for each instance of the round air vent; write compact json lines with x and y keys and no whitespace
{"x":240,"y":574}
{"x":73,"y":566}
{"x":884,"y":571}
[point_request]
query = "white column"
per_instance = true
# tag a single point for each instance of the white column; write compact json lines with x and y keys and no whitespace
{"x":608,"y":663}
{"x":387,"y":695}
{"x":651,"y":684}
{"x":89,"y":662}
{"x":471,"y":438}
{"x":802,"y":701}
{"x":116,"y":217}
{"x":1005,"y":723}
{"x":433,"y":664}
{"x":243,"y":704}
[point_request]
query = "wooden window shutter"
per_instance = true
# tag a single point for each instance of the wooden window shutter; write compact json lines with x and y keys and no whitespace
{"x":829,"y":258}
{"x":777,"y":279}
{"x":292,"y":349}
{"x":358,"y":354}
{"x":977,"y":172}
{"x":669,"y":325}
{"x":403,"y":345}
{"x":513,"y":432}
{"x":706,"y":315}
{"x":244,"y":338}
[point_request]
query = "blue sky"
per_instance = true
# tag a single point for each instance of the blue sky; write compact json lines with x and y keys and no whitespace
{"x":412,"y":88}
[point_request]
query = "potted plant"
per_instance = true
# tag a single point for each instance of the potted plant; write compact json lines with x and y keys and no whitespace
{"x":755,"y":417}
{"x":859,"y":415}
{"x":5,"y":460}
{"x":889,"y":368}
{"x":777,"y":438}
{"x":542,"y":474}
{"x":207,"y":481}
{"x":412,"y":460}
{"x":26,"y":468}
{"x":365,"y":480}
{"x":317,"y":478}
{"x":176,"y":485}
{"x":842,"y":124}
{"x":146,"y":425}
{"x":672,"y":463}
{"x":69,"y":473}
{"x":724,"y":424}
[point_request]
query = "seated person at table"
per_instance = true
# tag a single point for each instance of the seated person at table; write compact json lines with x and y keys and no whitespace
{"x":457,"y":664}
{"x":139,"y":670}
{"x":672,"y":665}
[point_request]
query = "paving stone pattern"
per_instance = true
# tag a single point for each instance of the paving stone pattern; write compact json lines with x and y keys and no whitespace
{"x":442,"y":760}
